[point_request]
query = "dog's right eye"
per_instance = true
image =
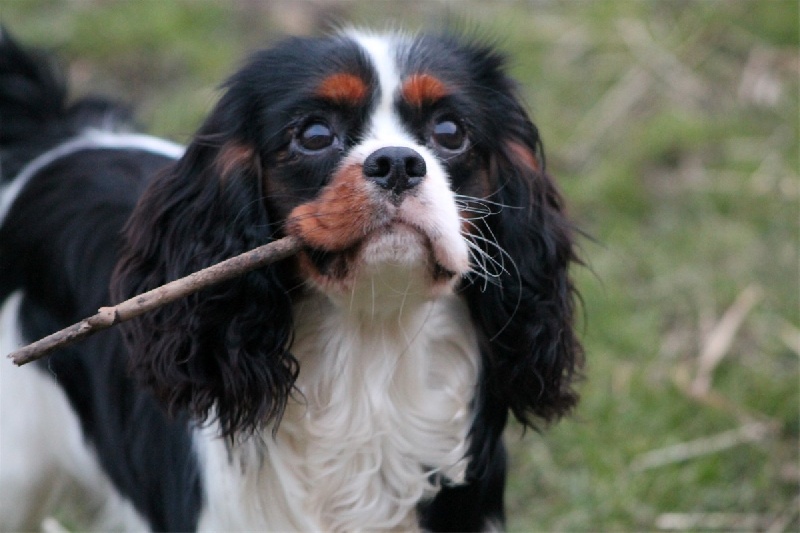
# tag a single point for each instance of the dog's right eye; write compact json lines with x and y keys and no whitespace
{"x":316,"y":136}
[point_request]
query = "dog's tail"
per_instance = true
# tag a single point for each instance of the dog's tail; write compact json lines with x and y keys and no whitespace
{"x":32,"y":93}
{"x":32,"y":109}
{"x":33,"y":100}
{"x":35,"y":117}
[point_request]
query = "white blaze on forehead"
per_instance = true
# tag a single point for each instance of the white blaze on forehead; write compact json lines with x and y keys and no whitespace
{"x":384,"y":51}
{"x":385,"y":127}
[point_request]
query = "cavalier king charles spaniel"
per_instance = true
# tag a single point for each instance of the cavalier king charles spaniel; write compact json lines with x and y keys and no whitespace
{"x":362,"y":384}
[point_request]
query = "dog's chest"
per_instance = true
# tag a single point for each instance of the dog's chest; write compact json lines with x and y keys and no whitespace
{"x":383,"y":412}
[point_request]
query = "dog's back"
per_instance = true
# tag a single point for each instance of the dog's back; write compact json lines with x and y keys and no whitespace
{"x":60,"y":221}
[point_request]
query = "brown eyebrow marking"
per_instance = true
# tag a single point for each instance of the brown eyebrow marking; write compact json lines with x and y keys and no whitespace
{"x":421,"y":89}
{"x":343,"y":88}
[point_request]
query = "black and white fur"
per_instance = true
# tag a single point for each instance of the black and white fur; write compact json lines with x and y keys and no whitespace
{"x":363,"y":385}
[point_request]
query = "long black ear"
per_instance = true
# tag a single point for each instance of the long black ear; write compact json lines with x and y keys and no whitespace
{"x":221,"y":353}
{"x":527,"y":313}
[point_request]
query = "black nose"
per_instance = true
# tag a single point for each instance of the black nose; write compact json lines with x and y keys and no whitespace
{"x":395,"y":168}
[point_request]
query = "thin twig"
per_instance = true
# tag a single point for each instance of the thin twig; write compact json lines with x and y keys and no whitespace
{"x":153,"y":299}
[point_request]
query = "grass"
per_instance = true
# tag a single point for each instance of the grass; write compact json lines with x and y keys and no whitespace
{"x":673,"y":130}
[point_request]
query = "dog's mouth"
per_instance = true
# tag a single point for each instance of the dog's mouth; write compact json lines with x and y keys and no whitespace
{"x":392,"y":248}
{"x":355,"y":237}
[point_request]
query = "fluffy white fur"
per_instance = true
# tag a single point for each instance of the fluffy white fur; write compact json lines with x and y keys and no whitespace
{"x":383,"y":406}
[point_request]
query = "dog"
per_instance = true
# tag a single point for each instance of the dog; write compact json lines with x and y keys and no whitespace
{"x":362,"y":384}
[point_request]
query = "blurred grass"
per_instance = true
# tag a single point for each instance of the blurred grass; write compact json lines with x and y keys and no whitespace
{"x":673,"y":130}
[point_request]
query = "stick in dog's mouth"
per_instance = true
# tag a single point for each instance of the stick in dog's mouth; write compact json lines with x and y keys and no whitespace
{"x":155,"y":298}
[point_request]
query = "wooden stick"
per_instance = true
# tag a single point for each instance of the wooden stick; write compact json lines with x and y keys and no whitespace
{"x":153,"y":299}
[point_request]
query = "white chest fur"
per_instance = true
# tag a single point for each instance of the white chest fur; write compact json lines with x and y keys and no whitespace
{"x":385,"y":405}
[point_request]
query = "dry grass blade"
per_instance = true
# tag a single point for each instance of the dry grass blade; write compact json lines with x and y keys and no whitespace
{"x":683,"y":451}
{"x":720,"y":338}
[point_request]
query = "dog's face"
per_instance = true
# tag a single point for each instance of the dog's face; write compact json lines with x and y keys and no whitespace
{"x":372,"y":149}
{"x":382,"y":145}
{"x":402,"y":163}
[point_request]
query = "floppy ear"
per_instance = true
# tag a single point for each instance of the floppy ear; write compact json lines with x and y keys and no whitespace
{"x":526,"y":317}
{"x":221,"y":353}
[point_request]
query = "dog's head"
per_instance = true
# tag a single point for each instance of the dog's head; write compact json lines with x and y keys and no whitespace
{"x":401,"y":162}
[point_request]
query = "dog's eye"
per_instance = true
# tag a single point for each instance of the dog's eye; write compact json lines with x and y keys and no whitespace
{"x":449,"y":134}
{"x":316,"y":136}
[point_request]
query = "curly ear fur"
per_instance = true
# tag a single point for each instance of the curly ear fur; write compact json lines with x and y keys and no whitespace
{"x":221,"y":353}
{"x":532,"y":354}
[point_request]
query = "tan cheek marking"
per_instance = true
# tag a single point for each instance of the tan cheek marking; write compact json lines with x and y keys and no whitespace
{"x":343,"y":88}
{"x":421,"y":89}
{"x":234,"y":156}
{"x":523,"y":156}
{"x":337,"y":219}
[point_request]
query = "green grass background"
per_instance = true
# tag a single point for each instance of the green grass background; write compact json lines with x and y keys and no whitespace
{"x":672,"y":127}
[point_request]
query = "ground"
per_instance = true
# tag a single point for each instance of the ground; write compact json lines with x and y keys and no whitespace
{"x":672,"y":128}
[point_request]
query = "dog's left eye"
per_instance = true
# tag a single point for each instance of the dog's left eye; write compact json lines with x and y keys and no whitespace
{"x":449,"y":134}
{"x":316,"y":136}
